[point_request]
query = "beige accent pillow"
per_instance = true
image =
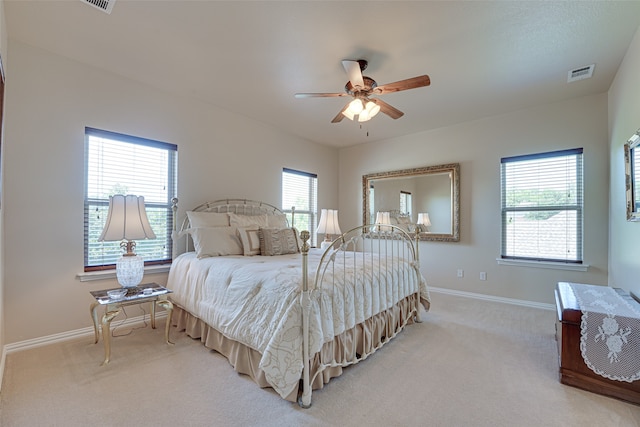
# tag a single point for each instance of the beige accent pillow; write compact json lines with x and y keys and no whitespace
{"x":216,"y":241}
{"x":250,"y":238}
{"x":248,"y":220}
{"x":278,"y":241}
{"x":207,"y":219}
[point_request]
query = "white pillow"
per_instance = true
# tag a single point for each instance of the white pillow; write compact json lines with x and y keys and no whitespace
{"x":250,"y":238}
{"x":216,"y":241}
{"x":254,"y":221}
{"x":277,"y":221}
{"x":207,"y":219}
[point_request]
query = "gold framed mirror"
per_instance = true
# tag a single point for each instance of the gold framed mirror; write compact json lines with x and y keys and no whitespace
{"x":423,"y":200}
{"x":632,"y":176}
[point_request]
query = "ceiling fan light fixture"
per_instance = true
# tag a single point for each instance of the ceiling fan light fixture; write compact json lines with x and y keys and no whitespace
{"x":356,"y":106}
{"x":372,"y":108}
{"x":348,"y":114}
{"x":364,"y":116}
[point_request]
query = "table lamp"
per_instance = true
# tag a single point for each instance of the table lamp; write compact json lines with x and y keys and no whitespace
{"x":423,"y":222}
{"x":127,"y":221}
{"x":328,"y":226}
{"x":383,"y":221}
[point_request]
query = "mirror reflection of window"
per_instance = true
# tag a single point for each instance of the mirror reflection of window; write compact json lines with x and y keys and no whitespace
{"x":405,"y":203}
{"x":632,"y":176}
{"x":372,"y":209}
{"x":635,"y":167}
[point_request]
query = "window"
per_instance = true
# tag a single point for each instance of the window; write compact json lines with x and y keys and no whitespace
{"x":122,"y":164}
{"x":542,"y":206}
{"x":405,"y":202}
{"x":300,"y":189}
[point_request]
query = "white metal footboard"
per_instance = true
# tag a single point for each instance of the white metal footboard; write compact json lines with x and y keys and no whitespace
{"x":365,"y":272}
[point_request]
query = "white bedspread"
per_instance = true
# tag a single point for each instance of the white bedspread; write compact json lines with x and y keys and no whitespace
{"x":256,"y":301}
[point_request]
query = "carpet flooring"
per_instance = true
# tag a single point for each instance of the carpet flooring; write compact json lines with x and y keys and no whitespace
{"x":469,"y":363}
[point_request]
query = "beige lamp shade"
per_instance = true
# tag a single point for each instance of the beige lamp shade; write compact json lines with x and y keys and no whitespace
{"x":328,"y":225}
{"x":383,"y":220}
{"x":424,"y":222}
{"x":423,"y":219}
{"x":126,"y":220}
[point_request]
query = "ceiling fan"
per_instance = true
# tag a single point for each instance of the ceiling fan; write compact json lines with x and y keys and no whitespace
{"x":361,"y":87}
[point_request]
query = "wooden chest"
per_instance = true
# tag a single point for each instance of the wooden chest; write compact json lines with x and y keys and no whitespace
{"x":573,"y":370}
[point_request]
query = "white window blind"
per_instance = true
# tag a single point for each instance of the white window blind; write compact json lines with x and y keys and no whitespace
{"x":300,"y":189}
{"x":542,"y":203}
{"x":123,"y":164}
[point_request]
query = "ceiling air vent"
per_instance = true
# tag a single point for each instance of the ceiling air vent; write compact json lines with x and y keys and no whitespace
{"x":581,"y":73}
{"x":103,"y":5}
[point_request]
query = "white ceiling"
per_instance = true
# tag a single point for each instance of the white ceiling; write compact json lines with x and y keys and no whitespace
{"x":484,"y":58}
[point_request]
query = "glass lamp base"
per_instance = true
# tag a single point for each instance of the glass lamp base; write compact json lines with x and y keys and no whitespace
{"x":129,"y":271}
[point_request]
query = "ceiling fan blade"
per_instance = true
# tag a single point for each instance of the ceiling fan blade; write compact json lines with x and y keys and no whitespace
{"x":412,"y":83}
{"x":353,"y":71}
{"x":340,"y":116}
{"x":390,"y":111}
{"x":319,"y":95}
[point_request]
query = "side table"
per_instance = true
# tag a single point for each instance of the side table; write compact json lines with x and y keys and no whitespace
{"x":149,"y":292}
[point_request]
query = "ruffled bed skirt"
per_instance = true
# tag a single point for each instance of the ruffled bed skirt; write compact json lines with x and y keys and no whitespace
{"x":346,"y":349}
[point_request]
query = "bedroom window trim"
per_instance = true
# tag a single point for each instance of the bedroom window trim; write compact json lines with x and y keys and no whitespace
{"x":118,"y":163}
{"x":300,"y":189}
{"x":542,"y":186}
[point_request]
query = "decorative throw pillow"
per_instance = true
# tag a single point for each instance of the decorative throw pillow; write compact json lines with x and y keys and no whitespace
{"x":248,"y":220}
{"x":207,"y":219}
{"x":216,"y":241}
{"x":275,"y":241}
{"x":250,"y":238}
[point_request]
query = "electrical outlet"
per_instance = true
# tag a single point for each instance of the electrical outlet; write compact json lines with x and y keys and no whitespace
{"x":483,"y":275}
{"x":460,"y":272}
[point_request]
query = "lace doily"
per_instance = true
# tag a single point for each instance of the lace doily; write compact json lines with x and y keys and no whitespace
{"x":610,"y":333}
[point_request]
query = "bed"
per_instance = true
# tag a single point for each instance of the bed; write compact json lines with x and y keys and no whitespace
{"x":289,"y":316}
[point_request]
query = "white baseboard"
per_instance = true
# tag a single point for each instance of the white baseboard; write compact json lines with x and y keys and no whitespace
{"x":4,"y":357}
{"x":69,"y":335}
{"x":523,"y":303}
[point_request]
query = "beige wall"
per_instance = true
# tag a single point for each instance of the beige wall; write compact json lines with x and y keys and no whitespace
{"x":624,"y":121}
{"x":50,"y":100}
{"x":478,"y":147}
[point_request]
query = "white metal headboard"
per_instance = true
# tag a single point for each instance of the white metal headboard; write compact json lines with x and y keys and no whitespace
{"x":237,"y":206}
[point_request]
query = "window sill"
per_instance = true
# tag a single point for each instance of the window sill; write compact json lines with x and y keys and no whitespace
{"x":544,"y":264}
{"x":111,"y":274}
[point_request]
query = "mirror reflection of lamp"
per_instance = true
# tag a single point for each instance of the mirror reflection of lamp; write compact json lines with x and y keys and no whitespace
{"x":328,"y":226}
{"x":383,"y":221}
{"x":423,"y":223}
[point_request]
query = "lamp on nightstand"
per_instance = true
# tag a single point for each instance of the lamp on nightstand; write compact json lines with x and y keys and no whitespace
{"x":328,"y":226}
{"x":127,"y":221}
